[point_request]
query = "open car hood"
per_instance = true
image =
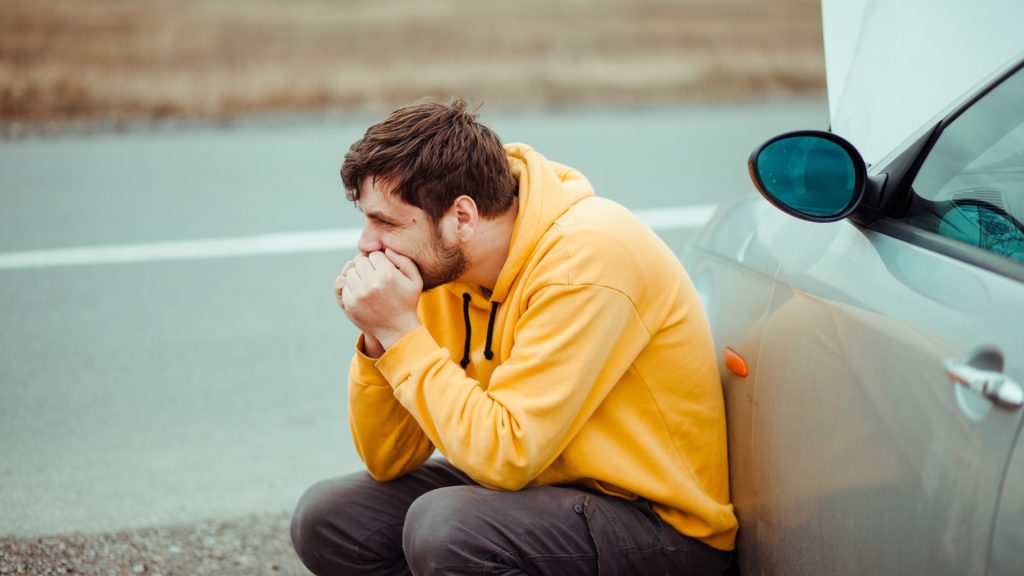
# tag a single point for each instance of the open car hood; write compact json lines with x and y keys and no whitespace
{"x":893,"y":65}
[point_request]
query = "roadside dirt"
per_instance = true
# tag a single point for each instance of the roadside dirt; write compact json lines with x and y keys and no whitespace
{"x":124,"y":60}
{"x":254,"y":546}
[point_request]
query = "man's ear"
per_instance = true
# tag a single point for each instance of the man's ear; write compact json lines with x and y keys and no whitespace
{"x":466,"y":217}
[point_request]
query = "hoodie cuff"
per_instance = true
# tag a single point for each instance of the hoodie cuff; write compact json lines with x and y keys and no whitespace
{"x":363,"y":369}
{"x":397,"y":362}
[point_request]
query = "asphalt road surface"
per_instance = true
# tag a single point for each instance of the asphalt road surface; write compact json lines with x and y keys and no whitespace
{"x":170,"y":348}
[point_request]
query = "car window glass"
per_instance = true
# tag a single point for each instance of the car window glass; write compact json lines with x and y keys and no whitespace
{"x":971,"y":185}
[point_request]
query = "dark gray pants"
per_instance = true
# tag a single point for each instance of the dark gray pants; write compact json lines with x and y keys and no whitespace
{"x":436,"y":520}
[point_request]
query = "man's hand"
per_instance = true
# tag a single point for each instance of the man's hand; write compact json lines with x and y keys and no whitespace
{"x":379,"y":292}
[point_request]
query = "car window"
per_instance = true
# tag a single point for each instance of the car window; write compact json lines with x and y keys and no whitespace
{"x":971,"y":185}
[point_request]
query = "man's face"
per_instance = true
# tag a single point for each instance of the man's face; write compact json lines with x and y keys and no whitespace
{"x":408,"y":230}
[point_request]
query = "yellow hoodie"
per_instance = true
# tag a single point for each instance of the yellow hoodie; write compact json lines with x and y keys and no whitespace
{"x":591,"y":363}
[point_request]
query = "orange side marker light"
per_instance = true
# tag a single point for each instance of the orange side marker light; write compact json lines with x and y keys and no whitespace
{"x":735,"y":363}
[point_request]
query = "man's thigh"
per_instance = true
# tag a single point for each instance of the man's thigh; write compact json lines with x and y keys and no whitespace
{"x":546,"y":530}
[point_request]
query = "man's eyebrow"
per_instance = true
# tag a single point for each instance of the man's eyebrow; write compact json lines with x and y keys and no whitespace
{"x":379,"y":216}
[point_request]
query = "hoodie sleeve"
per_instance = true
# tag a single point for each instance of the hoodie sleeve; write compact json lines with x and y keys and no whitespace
{"x":386,"y":437}
{"x":571,"y":346}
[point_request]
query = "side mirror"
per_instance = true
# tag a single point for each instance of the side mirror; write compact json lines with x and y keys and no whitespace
{"x":809,"y":174}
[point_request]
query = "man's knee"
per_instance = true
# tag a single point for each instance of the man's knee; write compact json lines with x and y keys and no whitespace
{"x":311,"y":521}
{"x":342,"y":525}
{"x":445,"y":528}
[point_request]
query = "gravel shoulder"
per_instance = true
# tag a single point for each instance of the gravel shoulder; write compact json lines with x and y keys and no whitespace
{"x":257,"y":545}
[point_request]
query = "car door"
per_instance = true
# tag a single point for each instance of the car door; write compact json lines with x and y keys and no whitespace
{"x":732,"y":264}
{"x":882,"y":429}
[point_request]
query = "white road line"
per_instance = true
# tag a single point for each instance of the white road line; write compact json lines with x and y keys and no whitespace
{"x":659,"y":219}
{"x":676,"y":217}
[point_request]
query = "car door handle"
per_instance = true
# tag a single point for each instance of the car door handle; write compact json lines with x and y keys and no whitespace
{"x":982,"y":371}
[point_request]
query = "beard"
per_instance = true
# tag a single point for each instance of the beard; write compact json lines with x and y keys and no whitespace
{"x":446,"y":263}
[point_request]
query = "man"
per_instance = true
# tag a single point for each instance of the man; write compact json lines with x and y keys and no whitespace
{"x":546,"y":343}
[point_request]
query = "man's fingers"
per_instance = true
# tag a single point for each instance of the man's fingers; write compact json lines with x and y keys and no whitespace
{"x":340,"y":283}
{"x":379,"y":261}
{"x":350,"y":277}
{"x":363,"y":267}
{"x":342,"y":279}
{"x":343,"y":276}
{"x":404,"y":264}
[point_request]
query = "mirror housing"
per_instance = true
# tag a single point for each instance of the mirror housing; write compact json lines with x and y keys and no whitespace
{"x":810,"y":174}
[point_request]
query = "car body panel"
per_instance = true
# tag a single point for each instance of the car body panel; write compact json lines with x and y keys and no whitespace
{"x":1007,"y":540}
{"x":862,"y":443}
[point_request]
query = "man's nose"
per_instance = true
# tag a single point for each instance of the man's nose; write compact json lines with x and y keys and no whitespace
{"x":369,"y":241}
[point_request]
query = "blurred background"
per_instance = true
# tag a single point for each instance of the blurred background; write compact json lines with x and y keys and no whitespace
{"x":172,"y":361}
{"x":125,"y":60}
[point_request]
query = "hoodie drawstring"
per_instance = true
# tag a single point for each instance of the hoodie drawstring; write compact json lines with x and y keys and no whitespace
{"x":488,"y":353}
{"x":469,"y":329}
{"x":490,"y":332}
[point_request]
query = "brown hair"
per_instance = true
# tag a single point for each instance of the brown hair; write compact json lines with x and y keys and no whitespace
{"x":433,"y":153}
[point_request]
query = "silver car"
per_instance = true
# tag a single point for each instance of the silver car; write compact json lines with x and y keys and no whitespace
{"x":870,"y":322}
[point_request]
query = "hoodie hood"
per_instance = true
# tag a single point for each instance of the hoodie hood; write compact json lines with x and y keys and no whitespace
{"x":546,"y":190}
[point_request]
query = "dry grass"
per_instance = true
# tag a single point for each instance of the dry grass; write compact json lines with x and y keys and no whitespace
{"x":132,"y":59}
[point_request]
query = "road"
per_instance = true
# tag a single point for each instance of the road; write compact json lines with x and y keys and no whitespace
{"x":180,"y":379}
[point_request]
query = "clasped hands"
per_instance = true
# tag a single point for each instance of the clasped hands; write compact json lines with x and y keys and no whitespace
{"x":379,"y":292}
